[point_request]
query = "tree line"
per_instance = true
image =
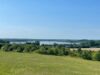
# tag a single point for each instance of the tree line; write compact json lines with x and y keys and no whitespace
{"x":55,"y":49}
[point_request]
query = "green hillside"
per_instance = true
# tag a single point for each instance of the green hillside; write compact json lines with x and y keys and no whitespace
{"x":36,"y":64}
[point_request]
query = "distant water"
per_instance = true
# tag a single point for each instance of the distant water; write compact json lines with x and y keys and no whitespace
{"x":53,"y":42}
{"x":43,"y":42}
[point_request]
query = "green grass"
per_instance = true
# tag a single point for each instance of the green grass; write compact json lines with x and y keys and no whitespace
{"x":37,"y":64}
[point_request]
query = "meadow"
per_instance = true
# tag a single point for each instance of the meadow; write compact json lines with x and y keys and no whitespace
{"x":13,"y":63}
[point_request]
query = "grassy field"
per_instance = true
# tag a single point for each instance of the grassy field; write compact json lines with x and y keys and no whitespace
{"x":37,"y":64}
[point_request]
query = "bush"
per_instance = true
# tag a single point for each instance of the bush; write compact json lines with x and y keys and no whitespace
{"x":60,"y":52}
{"x":66,"y":51}
{"x":26,"y":49}
{"x":20,"y":49}
{"x":1,"y":46}
{"x":74,"y":53}
{"x":5,"y":47}
{"x":86,"y":55}
{"x":42,"y":50}
{"x":54,"y":50}
{"x":96,"y":56}
{"x":79,"y":52}
{"x":12,"y":47}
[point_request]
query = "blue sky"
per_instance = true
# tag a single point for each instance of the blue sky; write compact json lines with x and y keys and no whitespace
{"x":50,"y":19}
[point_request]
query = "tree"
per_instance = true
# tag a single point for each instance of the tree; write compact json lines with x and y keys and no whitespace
{"x":5,"y":47}
{"x":96,"y":56}
{"x":20,"y":49}
{"x":37,"y":43}
{"x":86,"y":55}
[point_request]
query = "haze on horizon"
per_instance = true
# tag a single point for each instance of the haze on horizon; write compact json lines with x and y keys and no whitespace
{"x":50,"y":19}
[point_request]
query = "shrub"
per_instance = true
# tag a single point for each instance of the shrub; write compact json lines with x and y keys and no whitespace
{"x":5,"y":47}
{"x":12,"y":47}
{"x":43,"y":50}
{"x":32,"y":49}
{"x":1,"y":46}
{"x":60,"y":52}
{"x":96,"y":56}
{"x":26,"y":49}
{"x":66,"y":51}
{"x":79,"y":52}
{"x":54,"y":50}
{"x":73,"y":53}
{"x":86,"y":55}
{"x":20,"y":49}
{"x":51,"y":51}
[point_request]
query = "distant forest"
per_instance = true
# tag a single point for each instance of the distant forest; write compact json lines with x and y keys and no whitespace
{"x":71,"y":43}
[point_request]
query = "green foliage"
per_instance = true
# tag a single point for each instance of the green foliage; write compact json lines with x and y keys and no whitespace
{"x":55,"y":50}
{"x":73,"y":53}
{"x":26,"y":49}
{"x":1,"y":45}
{"x":5,"y":47}
{"x":19,"y":47}
{"x":86,"y":55}
{"x":42,"y":50}
{"x":52,"y":51}
{"x":58,"y":50}
{"x":96,"y":56}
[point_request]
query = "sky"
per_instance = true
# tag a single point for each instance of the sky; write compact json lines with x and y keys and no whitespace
{"x":50,"y":19}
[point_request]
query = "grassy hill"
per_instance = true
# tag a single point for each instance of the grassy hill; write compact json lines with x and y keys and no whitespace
{"x":37,"y":64}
